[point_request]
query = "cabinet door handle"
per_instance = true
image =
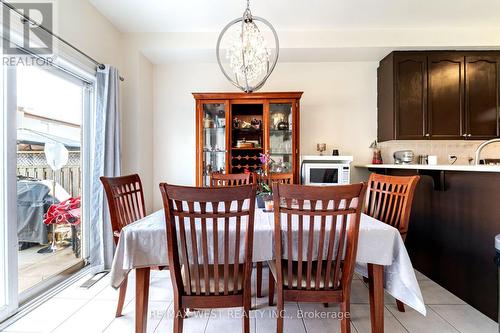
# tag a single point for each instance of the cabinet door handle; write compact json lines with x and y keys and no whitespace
{"x":469,"y":135}
{"x":427,"y":135}
{"x":464,"y":135}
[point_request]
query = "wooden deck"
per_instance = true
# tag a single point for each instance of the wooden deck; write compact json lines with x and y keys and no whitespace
{"x":35,"y":267}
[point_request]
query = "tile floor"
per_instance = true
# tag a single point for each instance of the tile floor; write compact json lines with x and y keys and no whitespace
{"x":81,"y":310}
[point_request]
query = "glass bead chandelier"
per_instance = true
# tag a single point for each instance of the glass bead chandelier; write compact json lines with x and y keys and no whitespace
{"x":250,"y":60}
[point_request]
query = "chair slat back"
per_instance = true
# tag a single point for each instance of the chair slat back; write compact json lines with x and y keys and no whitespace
{"x":125,"y":201}
{"x":389,"y":199}
{"x":279,"y":178}
{"x":206,"y":227}
{"x":316,"y":229}
{"x":232,"y":179}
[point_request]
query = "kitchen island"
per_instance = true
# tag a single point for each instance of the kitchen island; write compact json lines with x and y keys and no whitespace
{"x":454,"y":220}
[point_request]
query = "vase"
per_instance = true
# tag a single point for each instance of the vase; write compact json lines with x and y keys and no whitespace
{"x":261,"y":198}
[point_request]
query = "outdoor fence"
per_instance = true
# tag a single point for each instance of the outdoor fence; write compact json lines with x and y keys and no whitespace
{"x":33,"y":164}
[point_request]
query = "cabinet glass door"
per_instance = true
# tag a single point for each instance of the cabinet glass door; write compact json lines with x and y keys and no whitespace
{"x":214,"y":147}
{"x":281,"y":136}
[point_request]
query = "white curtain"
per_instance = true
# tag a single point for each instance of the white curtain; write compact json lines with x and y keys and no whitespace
{"x":105,"y":162}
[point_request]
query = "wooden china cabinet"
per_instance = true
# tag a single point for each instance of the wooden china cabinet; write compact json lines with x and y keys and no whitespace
{"x":233,"y":129}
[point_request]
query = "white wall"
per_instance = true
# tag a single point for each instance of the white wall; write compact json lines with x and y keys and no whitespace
{"x":338,"y":107}
{"x":137,"y":119}
{"x":78,"y":22}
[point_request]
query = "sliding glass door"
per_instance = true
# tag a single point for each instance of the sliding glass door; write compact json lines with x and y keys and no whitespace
{"x":8,"y":238}
{"x":43,"y":156}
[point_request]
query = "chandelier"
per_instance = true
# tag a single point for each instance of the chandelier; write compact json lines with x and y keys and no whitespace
{"x":249,"y":58}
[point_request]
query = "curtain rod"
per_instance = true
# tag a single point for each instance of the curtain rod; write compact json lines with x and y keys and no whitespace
{"x":25,"y":19}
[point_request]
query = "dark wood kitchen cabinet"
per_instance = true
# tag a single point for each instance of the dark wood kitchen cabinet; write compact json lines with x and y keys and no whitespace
{"x":438,"y":95}
{"x":481,"y":96}
{"x":402,"y":96}
{"x":445,"y":95}
{"x":410,"y":99}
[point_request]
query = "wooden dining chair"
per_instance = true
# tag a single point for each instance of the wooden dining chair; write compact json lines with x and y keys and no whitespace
{"x":210,"y":243}
{"x":231,"y":179}
{"x":389,"y":199}
{"x":315,"y":266}
{"x":126,"y":205}
{"x":278,"y":178}
{"x":237,"y":179}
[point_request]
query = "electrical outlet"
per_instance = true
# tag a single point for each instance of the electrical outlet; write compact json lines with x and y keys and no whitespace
{"x":452,"y":158}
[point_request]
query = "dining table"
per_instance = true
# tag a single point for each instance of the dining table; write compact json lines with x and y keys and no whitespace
{"x":381,"y":257}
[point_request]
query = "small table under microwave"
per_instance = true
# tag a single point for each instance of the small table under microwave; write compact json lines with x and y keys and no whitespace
{"x":325,"y":170}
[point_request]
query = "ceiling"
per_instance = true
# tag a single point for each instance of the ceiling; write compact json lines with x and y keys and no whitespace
{"x":212,"y":15}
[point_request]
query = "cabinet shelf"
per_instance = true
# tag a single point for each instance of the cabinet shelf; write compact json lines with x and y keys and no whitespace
{"x":247,"y":130}
{"x":213,"y":129}
{"x":234,"y":148}
{"x":275,"y":131}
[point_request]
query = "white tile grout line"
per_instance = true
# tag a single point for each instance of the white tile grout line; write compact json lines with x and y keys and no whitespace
{"x":385,"y":307}
{"x":436,"y":312}
{"x":84,"y":304}
{"x":159,"y":322}
{"x":430,"y":309}
{"x":206,"y":323}
{"x":396,"y":318}
{"x":301,"y":319}
{"x":54,"y":297}
{"x":114,"y":318}
{"x":354,"y":326}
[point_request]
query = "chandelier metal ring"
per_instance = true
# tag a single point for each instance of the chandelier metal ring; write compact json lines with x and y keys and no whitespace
{"x":247,"y":88}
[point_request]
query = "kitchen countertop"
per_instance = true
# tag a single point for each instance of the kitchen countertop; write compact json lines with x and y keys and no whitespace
{"x":443,"y":167}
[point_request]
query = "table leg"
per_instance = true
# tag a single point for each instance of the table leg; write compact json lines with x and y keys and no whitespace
{"x":141,"y":299}
{"x":376,"y":286}
{"x":259,"y":279}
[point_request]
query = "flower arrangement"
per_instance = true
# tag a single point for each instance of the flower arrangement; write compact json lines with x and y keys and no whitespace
{"x":264,"y":172}
{"x":264,"y":190}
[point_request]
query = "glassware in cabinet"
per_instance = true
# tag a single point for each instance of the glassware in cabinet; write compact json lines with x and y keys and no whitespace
{"x":214,"y":140}
{"x":281,"y":136}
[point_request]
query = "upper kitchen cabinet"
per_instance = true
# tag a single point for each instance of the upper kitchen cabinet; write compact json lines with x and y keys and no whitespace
{"x":481,"y":96}
{"x":438,"y":95}
{"x":410,"y":95}
{"x":445,"y":95}
{"x":402,"y":96}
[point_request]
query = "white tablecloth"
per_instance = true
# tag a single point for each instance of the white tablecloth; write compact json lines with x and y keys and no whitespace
{"x":143,"y":244}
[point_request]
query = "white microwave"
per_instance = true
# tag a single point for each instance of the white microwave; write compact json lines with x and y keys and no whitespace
{"x":326,"y":170}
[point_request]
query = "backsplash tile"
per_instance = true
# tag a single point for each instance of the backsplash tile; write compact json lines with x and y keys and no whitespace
{"x":464,"y":150}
